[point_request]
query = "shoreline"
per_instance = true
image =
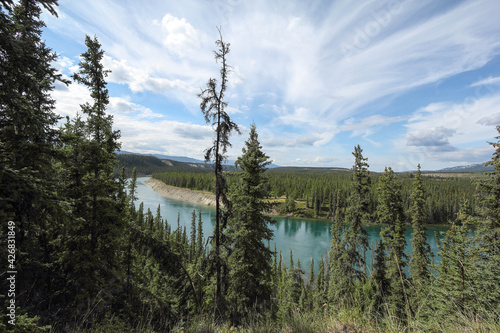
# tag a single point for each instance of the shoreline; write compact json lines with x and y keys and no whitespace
{"x":181,"y":194}
{"x":208,"y":199}
{"x":187,"y":195}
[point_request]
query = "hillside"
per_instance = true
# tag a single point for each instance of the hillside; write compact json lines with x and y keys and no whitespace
{"x":147,"y":165}
{"x":479,"y":167}
{"x":165,"y":157}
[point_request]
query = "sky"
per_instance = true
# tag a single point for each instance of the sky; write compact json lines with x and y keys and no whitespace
{"x":410,"y":81}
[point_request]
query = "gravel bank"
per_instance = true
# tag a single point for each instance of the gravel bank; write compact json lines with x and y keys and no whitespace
{"x":182,"y":194}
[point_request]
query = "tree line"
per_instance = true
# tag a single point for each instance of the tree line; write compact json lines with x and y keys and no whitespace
{"x":88,"y":260}
{"x":318,"y":192}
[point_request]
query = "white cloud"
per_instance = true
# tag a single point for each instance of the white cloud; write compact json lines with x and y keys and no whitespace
{"x":491,"y":120}
{"x":430,"y":137}
{"x":292,"y":54}
{"x":487,"y":81}
{"x":442,"y":133}
{"x":179,"y":36}
{"x":62,"y":64}
{"x":466,"y":119}
{"x":165,"y":136}
{"x":140,"y":80}
{"x":324,"y":160}
{"x":232,"y":111}
{"x":122,"y":106}
{"x":365,"y":126}
{"x":69,"y":98}
{"x":290,"y":141}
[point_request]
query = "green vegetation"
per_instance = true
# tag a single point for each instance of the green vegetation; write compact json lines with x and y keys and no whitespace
{"x":145,"y":165}
{"x":249,"y":260}
{"x":213,"y":106}
{"x":314,"y":194}
{"x":148,"y":165}
{"x":88,"y":261}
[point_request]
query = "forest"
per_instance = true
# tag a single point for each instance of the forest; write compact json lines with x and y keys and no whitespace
{"x":314,"y":194}
{"x":77,"y":256}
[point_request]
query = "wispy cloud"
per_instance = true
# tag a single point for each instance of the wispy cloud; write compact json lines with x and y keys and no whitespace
{"x":165,"y":136}
{"x":318,"y":67}
{"x":367,"y":126}
{"x":121,"y":105}
{"x":487,"y":81}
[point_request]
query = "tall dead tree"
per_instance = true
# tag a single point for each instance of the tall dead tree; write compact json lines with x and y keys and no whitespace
{"x":213,"y":106}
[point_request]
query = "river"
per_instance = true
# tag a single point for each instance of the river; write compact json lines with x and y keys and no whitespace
{"x":308,"y":238}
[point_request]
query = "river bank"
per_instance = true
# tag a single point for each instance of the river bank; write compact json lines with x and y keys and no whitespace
{"x":187,"y":195}
{"x":181,"y":194}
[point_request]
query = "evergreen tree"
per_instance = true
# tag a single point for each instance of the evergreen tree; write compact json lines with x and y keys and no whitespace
{"x":192,"y":243}
{"x":379,"y":276}
{"x":249,"y":260}
{"x":390,"y":212}
{"x":357,"y":213}
{"x":213,"y":106}
{"x":199,"y":238}
{"x":337,"y":266}
{"x":320,"y":294}
{"x":91,"y":252}
{"x":133,"y":188}
{"x":420,"y":257}
{"x":28,"y":155}
{"x":311,"y":275}
{"x":455,"y":291}
{"x":488,"y":232}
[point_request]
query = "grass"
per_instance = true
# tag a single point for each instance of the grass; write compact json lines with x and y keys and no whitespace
{"x":343,"y":321}
{"x":340,"y":320}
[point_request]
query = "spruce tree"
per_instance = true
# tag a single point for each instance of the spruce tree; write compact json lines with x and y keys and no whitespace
{"x":249,"y":260}
{"x":488,"y":232}
{"x":380,"y":278}
{"x":320,"y":285}
{"x":311,"y":275}
{"x":213,"y":106}
{"x":390,"y":213}
{"x":420,"y":257}
{"x":133,"y":188}
{"x":96,"y":234}
{"x":28,"y":155}
{"x":200,"y":249}
{"x":456,"y":290}
{"x":357,"y":213}
{"x":192,"y":242}
{"x":337,"y":265}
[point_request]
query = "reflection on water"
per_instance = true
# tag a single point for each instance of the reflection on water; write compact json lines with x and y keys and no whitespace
{"x":308,"y":238}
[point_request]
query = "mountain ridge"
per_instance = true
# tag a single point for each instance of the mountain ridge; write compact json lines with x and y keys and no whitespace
{"x":477,"y":167}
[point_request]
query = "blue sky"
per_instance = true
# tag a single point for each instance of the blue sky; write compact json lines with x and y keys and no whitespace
{"x":409,"y":81}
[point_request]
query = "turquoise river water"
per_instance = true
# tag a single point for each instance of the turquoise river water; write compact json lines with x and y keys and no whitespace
{"x":308,"y":238}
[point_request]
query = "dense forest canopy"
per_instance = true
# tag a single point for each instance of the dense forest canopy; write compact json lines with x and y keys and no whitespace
{"x":76,"y":254}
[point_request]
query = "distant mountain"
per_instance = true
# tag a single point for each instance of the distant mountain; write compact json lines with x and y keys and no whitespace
{"x":148,"y":165}
{"x":469,"y":168}
{"x":184,"y":159}
{"x":165,"y":157}
{"x":177,"y":158}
